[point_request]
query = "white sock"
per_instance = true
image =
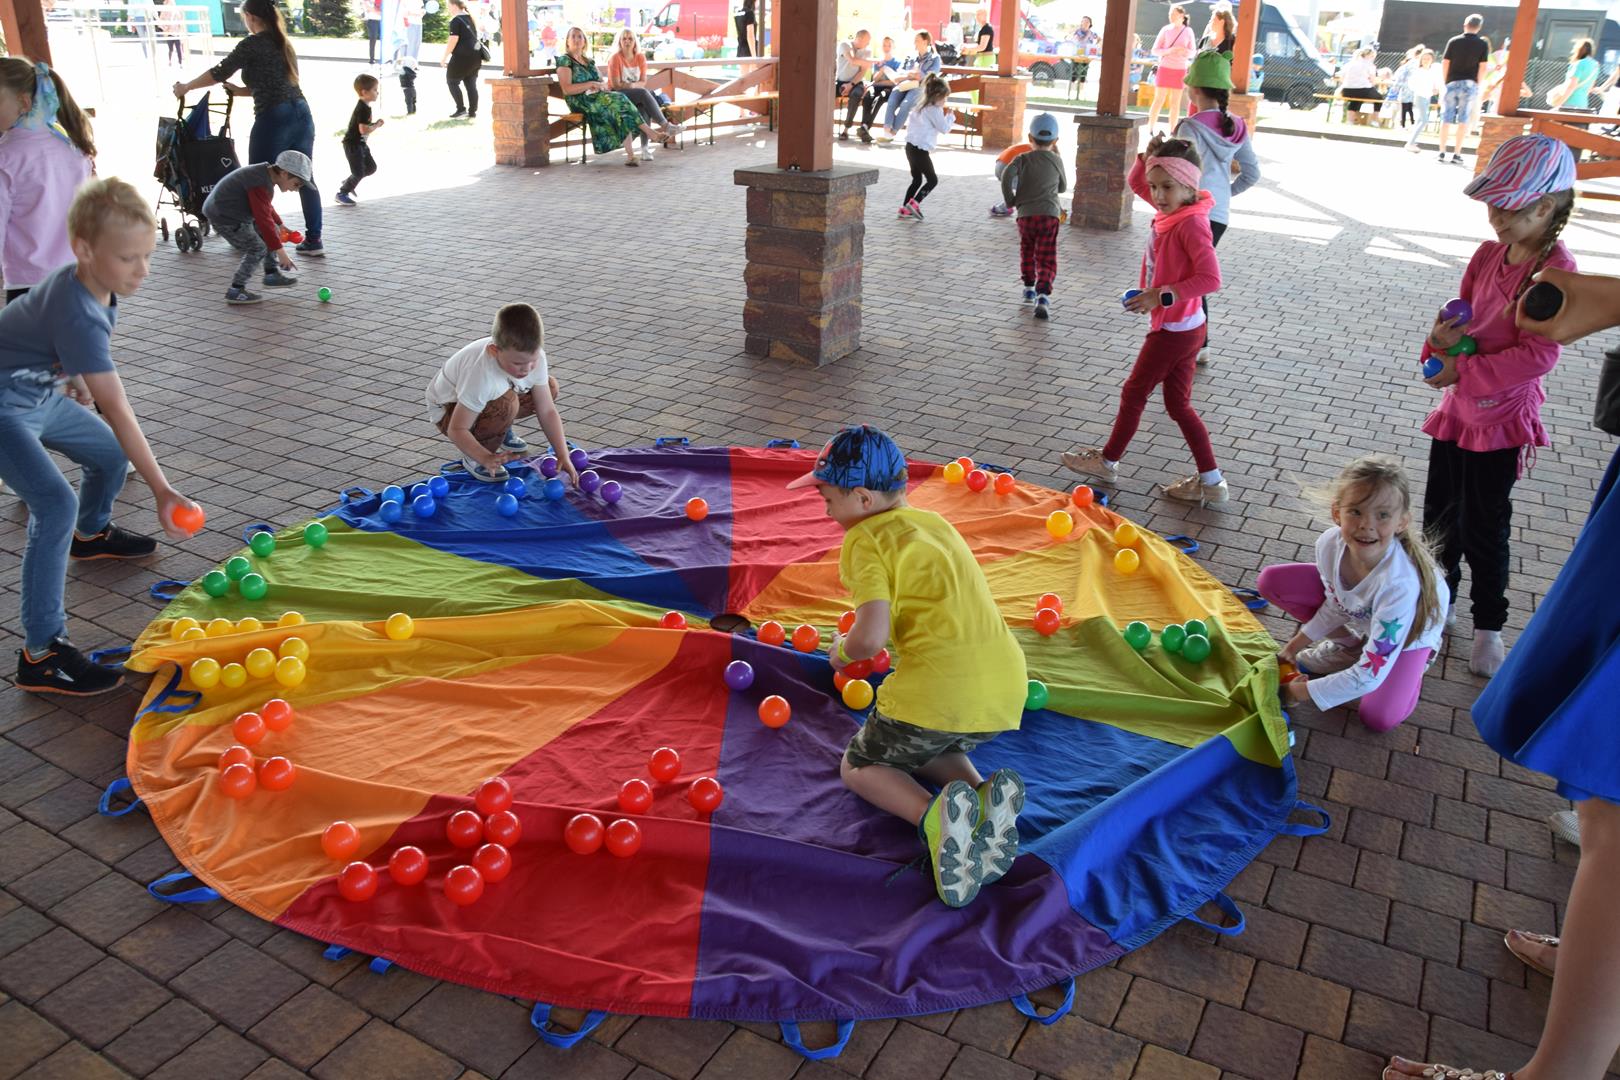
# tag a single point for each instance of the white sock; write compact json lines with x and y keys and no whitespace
{"x":1111,"y":464}
{"x":1211,"y":477}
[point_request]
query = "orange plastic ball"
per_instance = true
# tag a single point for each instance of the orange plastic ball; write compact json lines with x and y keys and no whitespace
{"x":840,"y":680}
{"x":1051,"y":600}
{"x":465,"y":829}
{"x":278,"y":715}
{"x":771,"y":633}
{"x":238,"y":780}
{"x":357,"y":882}
{"x":806,"y":638}
{"x":503,"y":828}
{"x":463,"y":885}
{"x":978,"y":480}
{"x":493,"y":862}
{"x":1005,"y":482}
{"x":697,"y":509}
{"x":249,"y":728}
{"x":846,"y":622}
{"x":188,"y":517}
{"x":277,"y":774}
{"x":493,"y":796}
{"x":236,"y":755}
{"x":705,"y":794}
{"x":583,"y":834}
{"x":1047,"y":622}
{"x":775,"y":711}
{"x":340,"y":840}
{"x":635,"y":796}
{"x":623,"y":838}
{"x":1083,"y":496}
{"x":966,"y":463}
{"x":408,"y":866}
{"x":673,"y":620}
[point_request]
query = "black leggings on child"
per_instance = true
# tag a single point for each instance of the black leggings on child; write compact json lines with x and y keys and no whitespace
{"x":923,"y":177}
{"x":1468,"y":514}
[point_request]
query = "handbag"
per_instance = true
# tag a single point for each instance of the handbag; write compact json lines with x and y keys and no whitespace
{"x":1606,"y":413}
{"x":483,"y":49}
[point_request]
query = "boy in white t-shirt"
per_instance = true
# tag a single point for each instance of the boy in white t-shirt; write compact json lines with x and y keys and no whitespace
{"x":492,"y":382}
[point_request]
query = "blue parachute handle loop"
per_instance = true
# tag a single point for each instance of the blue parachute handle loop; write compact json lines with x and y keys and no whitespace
{"x":202,"y":894}
{"x":257,"y":526}
{"x":1228,"y":905}
{"x":795,"y":1041}
{"x":672,"y":440}
{"x":990,"y":466}
{"x":1186,"y":544}
{"x":113,"y":657}
{"x":1100,"y":497}
{"x":1292,"y":828}
{"x":783,"y":444}
{"x":335,"y":952}
{"x":380,"y":965}
{"x":1022,"y":1003}
{"x":357,"y":494}
{"x":1251,"y":599}
{"x":167,"y":589}
{"x":171,"y":700}
{"x":541,"y":1019}
{"x":114,"y":789}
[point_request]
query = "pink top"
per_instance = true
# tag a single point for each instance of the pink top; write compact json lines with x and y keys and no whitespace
{"x":1180,"y":255}
{"x":1170,"y":37}
{"x":1496,"y":401}
{"x":39,"y":172}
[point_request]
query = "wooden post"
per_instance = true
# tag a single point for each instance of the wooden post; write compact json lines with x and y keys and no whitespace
{"x":1114,"y":79}
{"x":24,"y":25}
{"x":804,"y":138}
{"x":1243,"y":48}
{"x":1007,"y":37}
{"x":514,"y":38}
{"x":1106,"y":141}
{"x":1524,"y":35}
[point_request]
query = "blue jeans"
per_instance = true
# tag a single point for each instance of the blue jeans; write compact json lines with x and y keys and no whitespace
{"x":1457,"y":105}
{"x":900,"y":103}
{"x":34,"y":418}
{"x":288,"y":126}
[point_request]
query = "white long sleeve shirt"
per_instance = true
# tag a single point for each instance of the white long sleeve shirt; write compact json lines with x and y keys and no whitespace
{"x":926,"y":125}
{"x":1379,"y":609}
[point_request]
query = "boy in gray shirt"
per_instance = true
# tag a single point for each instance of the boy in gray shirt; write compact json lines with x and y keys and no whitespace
{"x":1031,"y":185}
{"x":239,"y":209}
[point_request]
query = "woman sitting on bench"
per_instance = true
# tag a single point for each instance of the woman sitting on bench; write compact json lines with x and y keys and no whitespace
{"x":916,"y":72}
{"x":627,"y":74}
{"x":613,"y":120}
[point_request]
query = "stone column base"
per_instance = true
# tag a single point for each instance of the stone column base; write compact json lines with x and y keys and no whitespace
{"x":522,"y":127}
{"x":1003,"y":125}
{"x":1106,"y":150}
{"x":1244,"y":105}
{"x":1493,"y":132}
{"x":805,"y":241}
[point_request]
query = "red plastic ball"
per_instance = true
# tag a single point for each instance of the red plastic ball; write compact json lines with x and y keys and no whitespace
{"x":705,"y":794}
{"x":340,"y":840}
{"x":1005,"y":482}
{"x":1083,"y":496}
{"x":494,"y":795}
{"x":465,"y":829}
{"x":503,"y":828}
{"x":249,"y":728}
{"x":277,"y":774}
{"x":1047,"y":621}
{"x":357,"y":881}
{"x":673,"y":620}
{"x":278,"y":715}
{"x":978,"y":480}
{"x":860,"y":669}
{"x":408,"y":866}
{"x":1051,"y":600}
{"x":493,"y":862}
{"x":664,"y":765}
{"x":635,"y":796}
{"x":966,"y":463}
{"x":583,"y":834}
{"x":235,"y":755}
{"x":775,"y":711}
{"x":188,"y":517}
{"x":238,"y":781}
{"x":771,"y":633}
{"x":623,"y":838}
{"x":697,"y":509}
{"x":882,"y":662}
{"x":846,"y":622}
{"x":463,"y":885}
{"x":840,"y":680}
{"x":806,"y":638}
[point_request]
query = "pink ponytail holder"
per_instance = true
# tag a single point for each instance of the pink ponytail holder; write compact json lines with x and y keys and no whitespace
{"x":1181,"y":170}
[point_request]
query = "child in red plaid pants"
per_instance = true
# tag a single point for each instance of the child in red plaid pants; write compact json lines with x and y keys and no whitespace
{"x":1030,"y":186}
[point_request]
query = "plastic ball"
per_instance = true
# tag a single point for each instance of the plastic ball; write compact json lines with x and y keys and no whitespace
{"x":294,"y":646}
{"x":1005,"y":482}
{"x":237,"y":780}
{"x":1059,"y":524}
{"x":1127,"y":535}
{"x":262,"y":544}
{"x":196,"y":633}
{"x":705,"y":794}
{"x":739,"y":675}
{"x":178,"y":630}
{"x":978,"y":480}
{"x":216,"y":584}
{"x":1433,"y":366}
{"x":1037,"y":696}
{"x":1047,"y":622}
{"x":846,"y":622}
{"x":554,"y":489}
{"x":390,"y":512}
{"x":589,"y":481}
{"x":966,"y":463}
{"x":261,"y":663}
{"x":1457,"y":310}
{"x":357,"y":882}
{"x":612,"y":491}
{"x":1196,"y":626}
{"x":515,"y":486}
{"x":438,"y":486}
{"x":423,"y":506}
{"x":399,"y":626}
{"x":806,"y":638}
{"x":697,"y":509}
{"x":1083,"y":496}
{"x":623,"y":838}
{"x":1466,"y":346}
{"x":278,"y":715}
{"x":507,"y":504}
{"x":953,"y":473}
{"x":393,"y":493}
{"x":635,"y":796}
{"x":579,"y":458}
{"x":504,"y":828}
{"x":463,"y":885}
{"x":235,"y":755}
{"x":249,"y":625}
{"x":323,"y":294}
{"x":840,"y":680}
{"x":771,"y":633}
{"x":1138,"y":635}
{"x":548,"y":466}
{"x":1126,"y":296}
{"x":664,"y":765}
{"x":493,"y":796}
{"x":249,"y":728}
{"x":1173,"y":637}
{"x":583,"y":834}
{"x":860,"y":669}
{"x":858,"y":694}
{"x":465,"y":829}
{"x":408,"y":865}
{"x":233,"y":676}
{"x":188,"y":517}
{"x":253,"y":587}
{"x":775,"y":711}
{"x":417,"y":491}
{"x":340,"y":840}
{"x":237,"y":567}
{"x":493,"y":861}
{"x":1126,"y":560}
{"x":220,"y":627}
{"x":1196,"y":648}
{"x":1051,"y":600}
{"x":673,"y":620}
{"x":205,"y":673}
{"x":882,"y":662}
{"x":290,"y":671}
{"x":316,"y":534}
{"x":277,"y":774}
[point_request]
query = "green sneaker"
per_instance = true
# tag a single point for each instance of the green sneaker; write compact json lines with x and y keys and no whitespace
{"x":949,"y":829}
{"x":1001,"y":800}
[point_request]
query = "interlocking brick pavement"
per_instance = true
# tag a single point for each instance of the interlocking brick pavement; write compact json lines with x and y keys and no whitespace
{"x":1381,"y":937}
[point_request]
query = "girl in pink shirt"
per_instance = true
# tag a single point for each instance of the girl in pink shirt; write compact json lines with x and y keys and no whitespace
{"x":1173,"y":49}
{"x":46,"y":152}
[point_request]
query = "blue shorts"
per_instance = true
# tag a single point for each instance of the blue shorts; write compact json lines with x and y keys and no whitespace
{"x":1457,"y":103}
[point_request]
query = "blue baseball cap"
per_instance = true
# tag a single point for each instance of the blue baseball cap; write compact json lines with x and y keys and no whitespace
{"x":1044,"y":128}
{"x":858,"y":457}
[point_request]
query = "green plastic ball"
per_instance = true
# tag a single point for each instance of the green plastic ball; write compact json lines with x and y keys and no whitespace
{"x":1195,"y":648}
{"x":253,"y":587}
{"x":315,"y":534}
{"x":1138,"y":635}
{"x":1172,"y":637}
{"x":1037,"y":696}
{"x":216,"y":584}
{"x":1466,"y":346}
{"x":237,"y":567}
{"x":324,"y":294}
{"x":263,"y":544}
{"x":1196,"y":626}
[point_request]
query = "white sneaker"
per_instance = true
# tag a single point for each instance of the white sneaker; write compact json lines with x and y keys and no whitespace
{"x":1203,"y":358}
{"x":1190,"y":489}
{"x":1326,"y":657}
{"x":1090,"y":462}
{"x":1566,"y":826}
{"x":1488,"y":654}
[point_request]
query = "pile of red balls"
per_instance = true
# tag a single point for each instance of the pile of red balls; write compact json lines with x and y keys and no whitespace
{"x":586,"y":835}
{"x":1048,"y":614}
{"x":239,"y":773}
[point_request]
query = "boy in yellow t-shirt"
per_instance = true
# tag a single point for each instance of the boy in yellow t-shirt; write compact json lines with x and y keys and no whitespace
{"x":960,"y":681}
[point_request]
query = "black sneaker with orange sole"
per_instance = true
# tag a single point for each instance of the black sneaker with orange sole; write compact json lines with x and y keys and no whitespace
{"x":112,"y":543}
{"x":62,"y":669}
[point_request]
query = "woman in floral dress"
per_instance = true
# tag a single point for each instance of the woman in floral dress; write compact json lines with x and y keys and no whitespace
{"x":613,"y":119}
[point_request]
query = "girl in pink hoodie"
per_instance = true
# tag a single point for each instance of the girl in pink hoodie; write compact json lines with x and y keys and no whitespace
{"x":1178,"y":269}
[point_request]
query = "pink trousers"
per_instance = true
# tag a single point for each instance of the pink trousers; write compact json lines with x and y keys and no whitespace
{"x":1297,"y":589}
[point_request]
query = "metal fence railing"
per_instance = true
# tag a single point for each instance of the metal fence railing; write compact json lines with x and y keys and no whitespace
{"x":1540,"y":76}
{"x":110,"y":51}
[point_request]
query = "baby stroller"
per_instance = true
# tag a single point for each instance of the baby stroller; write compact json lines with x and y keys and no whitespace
{"x":191,"y":159}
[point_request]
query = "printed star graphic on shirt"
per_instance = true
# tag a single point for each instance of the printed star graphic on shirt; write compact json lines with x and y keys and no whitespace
{"x":1392,"y":628}
{"x":1384,"y":647}
{"x":1374,"y":662}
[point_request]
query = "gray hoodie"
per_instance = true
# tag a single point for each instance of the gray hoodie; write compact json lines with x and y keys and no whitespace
{"x":1218,"y":151}
{"x":1032,"y":182}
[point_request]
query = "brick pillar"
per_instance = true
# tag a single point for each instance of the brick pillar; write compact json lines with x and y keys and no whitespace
{"x":1106,"y":150}
{"x":1493,"y":132}
{"x":1245,"y":105}
{"x":1003,"y":125}
{"x":518,"y":109}
{"x":806,"y":237}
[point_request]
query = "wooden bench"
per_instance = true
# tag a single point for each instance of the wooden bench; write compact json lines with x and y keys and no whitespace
{"x":969,"y":117}
{"x":706,"y":106}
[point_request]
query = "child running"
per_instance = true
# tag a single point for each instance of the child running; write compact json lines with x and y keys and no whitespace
{"x":927,"y":123}
{"x":1488,"y":423}
{"x":963,"y":680}
{"x":1004,"y":159}
{"x":239,"y":209}
{"x":46,"y":152}
{"x":357,"y":139}
{"x":1031,"y":185}
{"x":1371,"y":607}
{"x":1178,"y":268}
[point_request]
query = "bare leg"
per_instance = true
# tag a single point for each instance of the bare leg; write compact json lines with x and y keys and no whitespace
{"x":630,"y":147}
{"x":1175,"y":108}
{"x":887,"y":788}
{"x":1153,"y":110}
{"x":951,"y":766}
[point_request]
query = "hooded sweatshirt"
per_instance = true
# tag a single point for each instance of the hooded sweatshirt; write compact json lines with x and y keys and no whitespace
{"x":1218,"y":150}
{"x":1180,"y":256}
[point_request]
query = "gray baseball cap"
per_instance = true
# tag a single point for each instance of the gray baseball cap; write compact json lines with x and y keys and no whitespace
{"x":297,"y":163}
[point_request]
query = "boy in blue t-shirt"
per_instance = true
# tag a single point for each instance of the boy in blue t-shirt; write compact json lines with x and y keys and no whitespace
{"x":55,"y":362}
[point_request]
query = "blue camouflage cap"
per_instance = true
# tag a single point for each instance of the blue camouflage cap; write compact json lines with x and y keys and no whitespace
{"x":858,"y":457}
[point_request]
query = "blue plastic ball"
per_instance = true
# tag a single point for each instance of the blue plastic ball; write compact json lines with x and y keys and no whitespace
{"x":548,"y":466}
{"x":1126,"y":296}
{"x":419,"y":490}
{"x":507,"y":504}
{"x":611,"y":491}
{"x":555,"y":488}
{"x":393,"y":493}
{"x":515,"y":486}
{"x":579,"y":457}
{"x":439,"y":486}
{"x":423,"y":506}
{"x":1432,"y":367}
{"x":589,"y":481}
{"x":391,"y":511}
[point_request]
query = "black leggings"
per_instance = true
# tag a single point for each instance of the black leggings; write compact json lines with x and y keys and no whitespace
{"x":458,"y":74}
{"x":1217,"y":229}
{"x":923,"y":177}
{"x":16,"y":294}
{"x":1406,"y":112}
{"x":1468,"y":514}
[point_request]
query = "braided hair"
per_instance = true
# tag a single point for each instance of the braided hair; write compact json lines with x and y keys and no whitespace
{"x":1222,"y":99}
{"x":1563,"y":204}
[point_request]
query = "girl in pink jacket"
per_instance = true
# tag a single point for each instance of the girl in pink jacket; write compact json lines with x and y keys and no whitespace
{"x":1178,"y":269}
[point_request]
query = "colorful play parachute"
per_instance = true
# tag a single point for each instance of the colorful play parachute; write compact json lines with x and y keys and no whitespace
{"x":537,"y":655}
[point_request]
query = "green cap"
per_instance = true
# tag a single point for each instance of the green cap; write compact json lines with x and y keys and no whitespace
{"x":1210,"y":70}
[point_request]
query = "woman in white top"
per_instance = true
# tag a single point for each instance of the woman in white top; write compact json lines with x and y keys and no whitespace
{"x":627,"y":73}
{"x":1358,"y":82}
{"x":1424,"y":83}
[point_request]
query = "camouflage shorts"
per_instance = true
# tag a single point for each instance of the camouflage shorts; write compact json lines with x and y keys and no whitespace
{"x":883,"y":740}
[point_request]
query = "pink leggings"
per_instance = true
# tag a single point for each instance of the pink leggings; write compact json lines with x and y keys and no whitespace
{"x":1297,"y":589}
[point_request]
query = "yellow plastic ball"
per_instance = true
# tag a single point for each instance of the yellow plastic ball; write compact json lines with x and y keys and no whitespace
{"x":220,"y":627}
{"x":196,"y":633}
{"x":1127,"y":535}
{"x":205,"y":673}
{"x":290,"y":671}
{"x":295,"y":646}
{"x":954,"y":473}
{"x":858,"y":693}
{"x":260,"y":663}
{"x":399,"y":626}
{"x":1126,"y":560}
{"x":233,"y":675}
{"x":178,"y":630}
{"x":290,"y":618}
{"x":1059,"y":523}
{"x":249,"y":625}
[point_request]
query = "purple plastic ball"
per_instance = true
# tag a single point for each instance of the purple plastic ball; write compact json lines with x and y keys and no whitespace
{"x":423,"y":506}
{"x":1457,"y":309}
{"x":548,"y":466}
{"x":589,"y":481}
{"x":739,"y":675}
{"x":611,"y":491}
{"x":515,"y":486}
{"x":555,"y":488}
{"x":579,"y":457}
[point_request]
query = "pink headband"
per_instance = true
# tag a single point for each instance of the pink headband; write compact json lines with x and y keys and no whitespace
{"x":1181,"y":170}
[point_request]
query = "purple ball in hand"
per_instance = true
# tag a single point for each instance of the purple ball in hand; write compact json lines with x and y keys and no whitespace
{"x":611,"y":491}
{"x":739,"y":675}
{"x":1459,"y":310}
{"x":589,"y":481}
{"x":548,"y":466}
{"x":579,"y":457}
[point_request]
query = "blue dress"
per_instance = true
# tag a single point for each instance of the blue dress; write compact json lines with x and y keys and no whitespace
{"x":1552,"y":707}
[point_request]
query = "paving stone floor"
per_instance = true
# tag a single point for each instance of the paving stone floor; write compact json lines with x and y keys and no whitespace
{"x":1382,"y":936}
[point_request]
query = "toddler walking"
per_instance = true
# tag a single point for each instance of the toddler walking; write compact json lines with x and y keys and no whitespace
{"x":356,"y":140}
{"x":927,"y":124}
{"x":1031,"y":185}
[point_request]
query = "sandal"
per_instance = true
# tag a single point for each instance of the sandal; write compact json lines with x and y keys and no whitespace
{"x":1441,"y":1072}
{"x":633,"y":164}
{"x":1516,"y":937}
